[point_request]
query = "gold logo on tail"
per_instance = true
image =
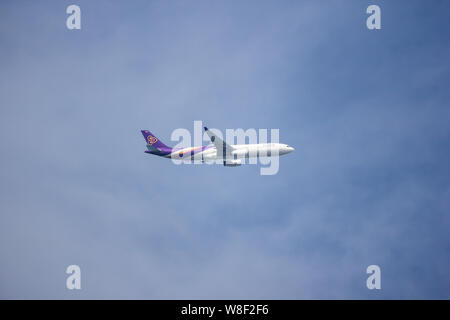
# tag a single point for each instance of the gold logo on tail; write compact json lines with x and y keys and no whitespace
{"x":151,"y":140}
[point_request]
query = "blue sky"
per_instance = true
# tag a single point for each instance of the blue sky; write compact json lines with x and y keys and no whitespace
{"x":367,"y":112}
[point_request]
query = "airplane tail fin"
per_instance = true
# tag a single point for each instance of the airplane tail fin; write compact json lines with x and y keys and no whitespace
{"x":153,"y":142}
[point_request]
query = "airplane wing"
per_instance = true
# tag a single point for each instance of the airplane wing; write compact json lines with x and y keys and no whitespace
{"x":223,"y":149}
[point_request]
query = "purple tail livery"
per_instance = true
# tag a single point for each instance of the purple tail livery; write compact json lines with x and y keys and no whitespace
{"x":154,"y":145}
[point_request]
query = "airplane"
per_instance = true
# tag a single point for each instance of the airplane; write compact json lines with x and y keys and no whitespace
{"x":231,"y":155}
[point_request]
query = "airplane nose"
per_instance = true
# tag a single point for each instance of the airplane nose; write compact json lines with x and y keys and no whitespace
{"x":291,"y":149}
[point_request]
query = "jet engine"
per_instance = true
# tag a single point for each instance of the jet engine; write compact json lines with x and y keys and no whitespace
{"x":241,"y":153}
{"x":232,"y":163}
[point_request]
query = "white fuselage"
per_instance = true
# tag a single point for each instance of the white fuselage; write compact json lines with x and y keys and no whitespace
{"x":239,"y":151}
